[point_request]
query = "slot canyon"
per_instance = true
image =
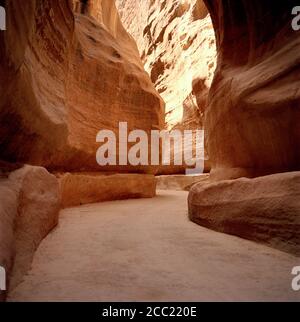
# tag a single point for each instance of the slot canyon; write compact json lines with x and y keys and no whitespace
{"x":72,"y":230}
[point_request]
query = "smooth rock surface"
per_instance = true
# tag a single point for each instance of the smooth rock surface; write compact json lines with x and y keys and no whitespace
{"x":80,"y":189}
{"x":252,"y":121}
{"x":64,"y":77}
{"x":264,"y":209}
{"x":29,"y":207}
{"x":148,"y":250}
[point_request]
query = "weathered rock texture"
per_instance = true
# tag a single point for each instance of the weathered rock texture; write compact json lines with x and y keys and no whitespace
{"x":253,"y":119}
{"x":264,"y":209}
{"x":177,"y":44}
{"x":29,"y":207}
{"x":63,"y":78}
{"x":80,"y":189}
{"x":252,"y":125}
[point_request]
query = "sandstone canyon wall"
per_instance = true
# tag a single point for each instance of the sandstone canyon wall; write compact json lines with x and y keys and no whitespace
{"x":252,"y":125}
{"x":64,"y":77}
{"x":177,"y":45}
{"x":69,"y":69}
{"x":253,"y":117}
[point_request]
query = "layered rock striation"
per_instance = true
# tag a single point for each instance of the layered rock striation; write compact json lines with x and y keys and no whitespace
{"x":177,"y":45}
{"x":253,"y":117}
{"x":252,"y":125}
{"x":64,"y":76}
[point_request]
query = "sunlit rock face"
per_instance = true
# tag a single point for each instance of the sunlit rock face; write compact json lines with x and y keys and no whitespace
{"x":253,"y":118}
{"x":67,"y":71}
{"x":177,"y":45}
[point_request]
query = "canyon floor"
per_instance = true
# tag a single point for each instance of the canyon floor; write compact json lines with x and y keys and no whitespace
{"x":148,"y":250}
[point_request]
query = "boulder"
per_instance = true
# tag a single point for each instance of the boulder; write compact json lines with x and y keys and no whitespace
{"x":29,"y":209}
{"x":265,"y":209}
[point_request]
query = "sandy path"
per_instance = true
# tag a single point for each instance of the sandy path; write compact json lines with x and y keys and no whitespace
{"x":148,"y":250}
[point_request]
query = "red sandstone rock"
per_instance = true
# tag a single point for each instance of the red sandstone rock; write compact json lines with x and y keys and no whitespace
{"x":177,"y":44}
{"x":252,"y":125}
{"x":264,"y":209}
{"x":29,"y":208}
{"x":64,"y":78}
{"x":253,"y":119}
{"x":80,"y":189}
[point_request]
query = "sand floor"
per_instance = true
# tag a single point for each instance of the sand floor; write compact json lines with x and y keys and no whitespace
{"x":148,"y":250}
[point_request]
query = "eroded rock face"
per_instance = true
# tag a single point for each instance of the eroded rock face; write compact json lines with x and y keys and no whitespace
{"x":264,"y":209}
{"x":80,"y":189}
{"x":252,"y":125}
{"x":29,"y":207}
{"x":65,"y":78}
{"x":253,"y":118}
{"x":177,"y":44}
